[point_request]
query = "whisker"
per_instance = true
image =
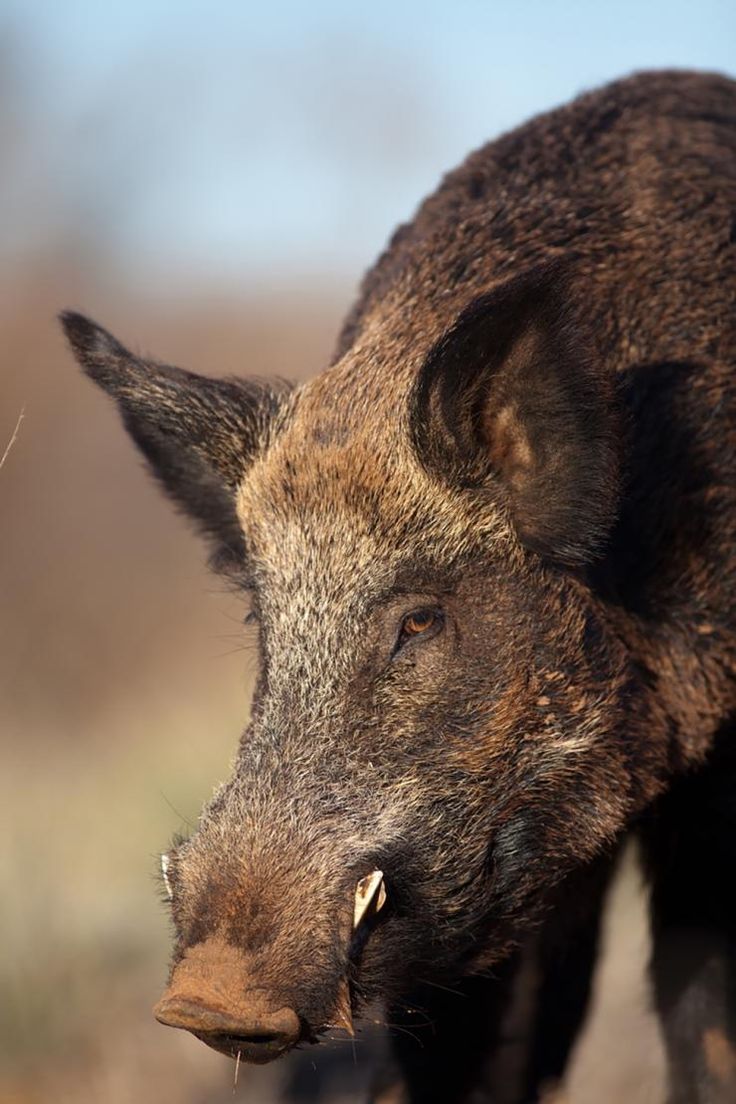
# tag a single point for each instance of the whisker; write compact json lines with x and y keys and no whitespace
{"x":444,"y":988}
{"x":405,"y":1031}
{"x":230,"y":636}
{"x":423,"y":1020}
{"x":176,"y":811}
{"x":232,"y":651}
{"x":340,"y":1039}
{"x":387,"y":1026}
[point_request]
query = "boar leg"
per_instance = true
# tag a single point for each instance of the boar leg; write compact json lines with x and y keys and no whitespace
{"x":565,"y":955}
{"x":442,"y":1039}
{"x":505,"y":1039}
{"x":690,"y":849}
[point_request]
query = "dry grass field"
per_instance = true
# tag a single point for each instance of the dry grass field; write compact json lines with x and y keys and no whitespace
{"x":124,"y":674}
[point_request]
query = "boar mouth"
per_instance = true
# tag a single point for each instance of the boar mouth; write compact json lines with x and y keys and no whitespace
{"x":255,"y":1049}
{"x":248,"y":1031}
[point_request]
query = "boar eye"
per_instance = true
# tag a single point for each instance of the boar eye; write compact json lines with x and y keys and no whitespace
{"x":425,"y":622}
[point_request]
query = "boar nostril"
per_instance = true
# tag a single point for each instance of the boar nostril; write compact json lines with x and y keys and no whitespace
{"x":258,"y":1035}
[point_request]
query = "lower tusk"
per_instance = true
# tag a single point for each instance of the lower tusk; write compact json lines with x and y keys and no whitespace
{"x":343,"y":1014}
{"x":369,"y":889}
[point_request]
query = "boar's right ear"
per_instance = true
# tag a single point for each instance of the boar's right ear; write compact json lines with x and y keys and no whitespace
{"x":511,"y":397}
{"x":197,"y":434}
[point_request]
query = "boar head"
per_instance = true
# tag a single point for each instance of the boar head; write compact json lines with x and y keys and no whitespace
{"x":440,"y":701}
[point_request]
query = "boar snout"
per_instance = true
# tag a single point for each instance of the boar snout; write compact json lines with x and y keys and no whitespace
{"x":226,"y":995}
{"x":210,"y":996}
{"x":257,"y":1036}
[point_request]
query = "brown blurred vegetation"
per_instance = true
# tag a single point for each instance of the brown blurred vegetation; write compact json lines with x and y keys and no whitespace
{"x":124,"y":670}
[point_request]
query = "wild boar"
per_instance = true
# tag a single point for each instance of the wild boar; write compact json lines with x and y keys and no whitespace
{"x":491,"y":551}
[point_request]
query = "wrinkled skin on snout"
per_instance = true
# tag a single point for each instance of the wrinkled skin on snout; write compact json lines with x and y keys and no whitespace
{"x":440,"y":698}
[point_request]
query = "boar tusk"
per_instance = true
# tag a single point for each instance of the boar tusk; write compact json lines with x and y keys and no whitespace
{"x":165,"y":872}
{"x":343,"y":1014}
{"x":367,"y":890}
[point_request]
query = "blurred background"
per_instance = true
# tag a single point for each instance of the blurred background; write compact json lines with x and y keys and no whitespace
{"x":209,"y":181}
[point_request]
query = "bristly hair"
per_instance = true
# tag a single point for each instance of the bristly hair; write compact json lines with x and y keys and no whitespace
{"x":198,"y":434}
{"x":510,"y":397}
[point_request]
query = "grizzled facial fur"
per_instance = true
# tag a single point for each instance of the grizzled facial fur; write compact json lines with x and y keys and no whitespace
{"x":438,"y":690}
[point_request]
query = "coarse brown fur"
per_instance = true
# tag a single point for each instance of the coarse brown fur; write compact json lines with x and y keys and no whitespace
{"x":528,"y":431}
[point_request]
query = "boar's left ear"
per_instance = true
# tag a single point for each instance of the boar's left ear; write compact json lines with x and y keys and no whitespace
{"x":511,"y":394}
{"x":197,"y":434}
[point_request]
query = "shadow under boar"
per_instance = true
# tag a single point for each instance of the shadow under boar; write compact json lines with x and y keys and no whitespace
{"x":491,"y":552}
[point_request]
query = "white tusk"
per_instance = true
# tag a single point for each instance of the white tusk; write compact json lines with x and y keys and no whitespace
{"x":165,"y":871}
{"x":367,"y":890}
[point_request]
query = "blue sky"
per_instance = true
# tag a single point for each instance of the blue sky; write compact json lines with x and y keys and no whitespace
{"x":289,"y":138}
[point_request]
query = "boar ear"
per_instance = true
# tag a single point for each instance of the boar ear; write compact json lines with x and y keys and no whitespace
{"x":511,"y":393}
{"x":197,"y":434}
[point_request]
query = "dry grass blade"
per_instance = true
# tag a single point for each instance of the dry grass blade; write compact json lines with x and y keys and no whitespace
{"x":13,"y":438}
